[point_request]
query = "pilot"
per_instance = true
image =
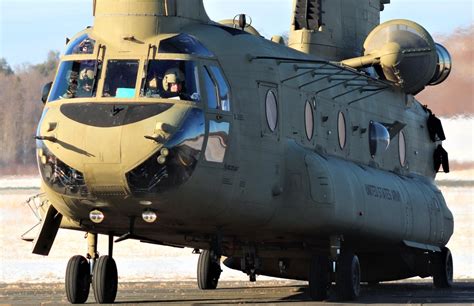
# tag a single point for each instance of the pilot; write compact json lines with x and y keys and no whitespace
{"x":86,"y":82}
{"x":173,"y":83}
{"x":86,"y":47}
{"x":152,"y":89}
{"x":72,"y":86}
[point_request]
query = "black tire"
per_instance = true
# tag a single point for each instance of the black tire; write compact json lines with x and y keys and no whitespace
{"x":318,"y":278}
{"x":78,"y":280}
{"x":348,"y":277}
{"x":442,"y":269}
{"x":105,"y":280}
{"x":208,"y":271}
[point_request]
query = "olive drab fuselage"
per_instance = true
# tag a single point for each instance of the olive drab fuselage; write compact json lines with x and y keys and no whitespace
{"x":265,"y":145}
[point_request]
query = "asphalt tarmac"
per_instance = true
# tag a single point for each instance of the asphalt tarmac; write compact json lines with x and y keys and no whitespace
{"x":273,"y":292}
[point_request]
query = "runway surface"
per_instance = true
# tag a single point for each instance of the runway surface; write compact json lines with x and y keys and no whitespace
{"x":273,"y":292}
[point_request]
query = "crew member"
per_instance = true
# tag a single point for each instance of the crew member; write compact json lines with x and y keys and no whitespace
{"x":86,"y":82}
{"x":173,"y":83}
{"x":71,"y":90}
{"x":152,"y":89}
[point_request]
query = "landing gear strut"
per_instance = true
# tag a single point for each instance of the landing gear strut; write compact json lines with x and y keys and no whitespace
{"x":100,"y":271}
{"x":250,"y":263}
{"x":208,"y":270}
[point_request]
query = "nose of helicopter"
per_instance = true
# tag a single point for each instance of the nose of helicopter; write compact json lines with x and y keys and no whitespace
{"x":118,"y":149}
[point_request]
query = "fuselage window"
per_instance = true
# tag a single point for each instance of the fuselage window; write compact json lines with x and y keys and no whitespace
{"x":341,"y":129}
{"x":217,"y":141}
{"x":75,"y":79}
{"x":171,"y":79}
{"x":184,"y":44}
{"x":271,"y":110}
{"x":402,"y":152}
{"x":211,"y":90}
{"x":224,"y":95}
{"x":82,"y":45}
{"x":121,"y":79}
{"x":309,"y":120}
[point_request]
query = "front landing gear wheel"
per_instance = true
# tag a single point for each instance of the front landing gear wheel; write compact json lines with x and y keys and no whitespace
{"x":78,"y":280}
{"x":318,"y":278}
{"x":442,"y":269}
{"x":105,"y":280}
{"x":208,"y":271}
{"x":348,"y":276}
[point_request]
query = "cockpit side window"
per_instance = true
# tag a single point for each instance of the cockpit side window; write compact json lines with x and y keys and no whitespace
{"x":224,"y":94}
{"x":172,"y":79}
{"x":82,"y":45}
{"x":184,"y":44}
{"x":121,"y":79}
{"x":75,"y":79}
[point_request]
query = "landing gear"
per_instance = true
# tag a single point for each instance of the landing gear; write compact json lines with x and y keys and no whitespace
{"x":442,"y":269}
{"x":250,"y":263}
{"x":105,"y":280}
{"x":208,"y":270}
{"x":340,"y":264}
{"x":318,"y":278}
{"x":348,"y":276}
{"x":78,"y":280}
{"x":102,"y":272}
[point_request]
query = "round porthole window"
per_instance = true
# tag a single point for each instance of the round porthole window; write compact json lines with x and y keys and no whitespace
{"x":402,"y":149}
{"x":341,"y":128}
{"x":271,"y":108}
{"x":309,"y":120}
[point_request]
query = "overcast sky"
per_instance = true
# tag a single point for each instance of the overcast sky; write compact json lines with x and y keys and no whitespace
{"x":30,"y":28}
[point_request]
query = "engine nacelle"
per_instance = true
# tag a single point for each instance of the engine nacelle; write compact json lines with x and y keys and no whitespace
{"x":404,"y":52}
{"x":444,"y":66}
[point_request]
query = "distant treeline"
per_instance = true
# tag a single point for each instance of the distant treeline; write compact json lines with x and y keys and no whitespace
{"x":21,"y":107}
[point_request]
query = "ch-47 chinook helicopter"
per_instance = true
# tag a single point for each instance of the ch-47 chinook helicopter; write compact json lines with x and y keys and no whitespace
{"x":311,"y":161}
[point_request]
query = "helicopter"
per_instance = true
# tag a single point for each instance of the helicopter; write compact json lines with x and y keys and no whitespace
{"x":310,"y":161}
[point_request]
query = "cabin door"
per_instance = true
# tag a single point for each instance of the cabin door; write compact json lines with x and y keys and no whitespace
{"x":219,"y":160}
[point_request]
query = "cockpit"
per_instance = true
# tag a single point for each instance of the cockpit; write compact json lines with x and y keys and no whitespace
{"x":176,"y":73}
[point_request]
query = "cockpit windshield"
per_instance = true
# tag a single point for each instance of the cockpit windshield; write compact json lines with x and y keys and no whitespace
{"x":171,"y":79}
{"x":75,"y":79}
{"x":121,"y":78}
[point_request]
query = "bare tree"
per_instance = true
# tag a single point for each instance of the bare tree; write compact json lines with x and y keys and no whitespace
{"x":20,"y":111}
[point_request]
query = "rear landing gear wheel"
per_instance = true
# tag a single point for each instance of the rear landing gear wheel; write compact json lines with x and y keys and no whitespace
{"x":348,"y":276}
{"x":442,"y":269}
{"x":78,"y":280}
{"x":105,"y":280}
{"x":208,"y":271}
{"x":318,"y":278}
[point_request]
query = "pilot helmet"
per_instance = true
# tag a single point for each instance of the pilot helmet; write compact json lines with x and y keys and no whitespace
{"x":172,"y":76}
{"x":86,"y":46}
{"x":153,"y":83}
{"x":86,"y":74}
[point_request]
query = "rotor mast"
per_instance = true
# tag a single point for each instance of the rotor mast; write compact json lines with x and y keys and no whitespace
{"x":333,"y":29}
